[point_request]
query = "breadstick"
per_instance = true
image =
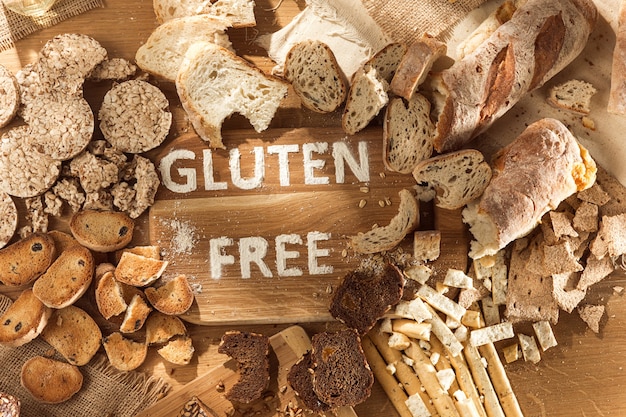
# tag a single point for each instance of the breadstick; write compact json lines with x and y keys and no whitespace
{"x":412,"y":328}
{"x":483,"y":383}
{"x":466,"y":382}
{"x":426,"y":373}
{"x":500,"y":381}
{"x":465,"y":405}
{"x":443,"y":362}
{"x":390,"y":385}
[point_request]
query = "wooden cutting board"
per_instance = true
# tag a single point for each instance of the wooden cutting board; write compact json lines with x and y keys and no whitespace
{"x":262,"y":228}
{"x":288,"y":346}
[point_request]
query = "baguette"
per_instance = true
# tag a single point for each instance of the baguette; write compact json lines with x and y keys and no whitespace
{"x":540,"y":39}
{"x":531,"y":176}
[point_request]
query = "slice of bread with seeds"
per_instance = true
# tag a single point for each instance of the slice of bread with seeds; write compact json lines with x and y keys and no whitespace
{"x":24,"y":320}
{"x":102,"y":231}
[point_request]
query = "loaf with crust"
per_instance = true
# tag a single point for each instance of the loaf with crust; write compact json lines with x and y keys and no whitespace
{"x":539,"y":40}
{"x":239,"y":12}
{"x":532,"y":175}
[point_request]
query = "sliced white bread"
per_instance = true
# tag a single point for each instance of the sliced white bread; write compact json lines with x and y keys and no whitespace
{"x":165,"y":49}
{"x":24,"y":320}
{"x":174,"y":297}
{"x":387,"y":237}
{"x":102,"y":231}
{"x":239,"y":12}
{"x":74,"y":334}
{"x":50,"y":381}
{"x":139,"y":270}
{"x":214,"y":83}
{"x":407,"y":133}
{"x":124,"y":354}
{"x":457,"y":177}
{"x":312,"y":70}
{"x":572,"y":95}
{"x":367,"y":96}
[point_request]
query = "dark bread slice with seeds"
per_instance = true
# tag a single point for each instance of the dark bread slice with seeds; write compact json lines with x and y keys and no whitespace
{"x":300,"y":378}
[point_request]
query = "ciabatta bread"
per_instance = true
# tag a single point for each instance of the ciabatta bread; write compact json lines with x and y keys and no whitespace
{"x":539,"y":40}
{"x":239,"y":12}
{"x":532,"y":175}
{"x":213,"y":83}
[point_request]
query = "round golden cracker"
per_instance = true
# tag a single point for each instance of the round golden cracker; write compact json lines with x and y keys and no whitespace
{"x":9,"y":96}
{"x":24,"y":171}
{"x":8,"y":218}
{"x":134,"y":116}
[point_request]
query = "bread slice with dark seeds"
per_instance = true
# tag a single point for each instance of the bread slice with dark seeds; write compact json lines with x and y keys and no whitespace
{"x":24,"y":320}
{"x":341,"y":374}
{"x":25,"y":260}
{"x":102,"y":231}
{"x":174,"y":297}
{"x":300,"y":378}
{"x":50,"y":381}
{"x":251,"y":351}
{"x":366,"y":295}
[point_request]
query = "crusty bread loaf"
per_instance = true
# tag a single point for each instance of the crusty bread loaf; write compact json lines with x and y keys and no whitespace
{"x":9,"y":96}
{"x":312,"y":70}
{"x":160,"y":328}
{"x":74,"y":334}
{"x":24,"y":320}
{"x":25,"y":260}
{"x":136,"y":314}
{"x":366,"y":97}
{"x":165,"y":49}
{"x":300,"y":378}
{"x":407,"y":133}
{"x":10,"y":405}
{"x":109,"y":296}
{"x":102,"y":231}
{"x":50,"y":381}
{"x":341,"y":374}
{"x":251,"y":352}
{"x":457,"y":177}
{"x":532,"y":175}
{"x":139,"y":270}
{"x":174,"y":297}
{"x":573,"y":95}
{"x":213,"y":83}
{"x":178,"y":351}
{"x":124,"y":354}
{"x":239,"y":12}
{"x":539,"y":40}
{"x":387,"y":237}
{"x":67,"y":279}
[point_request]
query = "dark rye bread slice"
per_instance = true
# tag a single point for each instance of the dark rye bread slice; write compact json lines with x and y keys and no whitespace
{"x":251,"y":351}
{"x":341,"y":374}
{"x":365,"y":295}
{"x":300,"y":378}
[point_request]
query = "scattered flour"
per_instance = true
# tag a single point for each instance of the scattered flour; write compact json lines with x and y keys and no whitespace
{"x":183,"y":237}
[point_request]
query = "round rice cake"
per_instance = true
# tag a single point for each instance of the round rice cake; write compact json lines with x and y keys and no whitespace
{"x":8,"y":219}
{"x":24,"y":171}
{"x":134,"y":116}
{"x":9,"y":96}
{"x":9,"y":405}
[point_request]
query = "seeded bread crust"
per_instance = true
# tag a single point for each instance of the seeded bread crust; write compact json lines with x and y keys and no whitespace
{"x":8,"y":218}
{"x":24,"y":320}
{"x":300,"y":378}
{"x":25,"y":260}
{"x":9,"y":96}
{"x":366,"y":97}
{"x":50,"y":381}
{"x":102,"y":231}
{"x":174,"y":297}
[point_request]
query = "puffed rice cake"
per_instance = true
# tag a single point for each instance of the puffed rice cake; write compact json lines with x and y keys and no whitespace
{"x":9,"y":405}
{"x":9,"y":96}
{"x":134,"y":116}
{"x":8,"y":219}
{"x":24,"y":171}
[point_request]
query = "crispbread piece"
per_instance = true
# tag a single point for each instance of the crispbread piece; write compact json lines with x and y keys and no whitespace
{"x":545,"y":336}
{"x":407,"y":133}
{"x":367,"y":96}
{"x":564,"y":291}
{"x":139,"y":270}
{"x":174,"y":297}
{"x":25,"y":260}
{"x":118,"y":69}
{"x":300,"y":378}
{"x":24,"y":171}
{"x":149,"y":251}
{"x":102,"y":231}
{"x":160,"y":328}
{"x":572,"y":95}
{"x":611,"y":237}
{"x":251,"y":352}
{"x":560,"y":258}
{"x":74,"y":334}
{"x":165,"y":49}
{"x":109,"y":296}
{"x":67,"y":279}
{"x":23,"y":320}
{"x":10,"y":405}
{"x":387,"y":237}
{"x":592,"y":315}
{"x":136,"y":314}
{"x":457,"y":177}
{"x":50,"y":381}
{"x":134,"y":116}
{"x":594,"y":194}
{"x":612,"y":187}
{"x":213,"y":83}
{"x":239,"y":12}
{"x":426,"y":245}
{"x":562,"y":224}
{"x":9,"y":96}
{"x":341,"y":374}
{"x":136,"y":198}
{"x":124,"y":354}
{"x":62,"y":240}
{"x":595,"y":271}
{"x":8,"y":218}
{"x":312,"y":70}
{"x":364,"y":296}
{"x":530,"y":350}
{"x":178,"y":351}
{"x":586,"y":217}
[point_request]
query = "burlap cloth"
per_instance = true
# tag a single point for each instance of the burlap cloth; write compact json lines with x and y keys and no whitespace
{"x":14,"y":26}
{"x":106,"y":392}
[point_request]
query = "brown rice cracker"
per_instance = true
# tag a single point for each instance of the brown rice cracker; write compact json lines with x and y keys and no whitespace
{"x":136,"y":198}
{"x":9,"y":96}
{"x":134,"y":116}
{"x":8,"y":218}
{"x":24,"y":171}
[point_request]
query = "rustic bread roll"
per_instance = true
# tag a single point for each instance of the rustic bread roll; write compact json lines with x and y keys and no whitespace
{"x":25,"y":260}
{"x":165,"y":49}
{"x":174,"y":297}
{"x":239,"y":12}
{"x":457,"y":177}
{"x":539,"y":40}
{"x":312,"y":70}
{"x":74,"y":334}
{"x":24,"y":320}
{"x":531,"y":176}
{"x":9,"y":96}
{"x":139,"y":270}
{"x":67,"y":279}
{"x":102,"y":231}
{"x":213,"y":83}
{"x":50,"y":381}
{"x":124,"y":354}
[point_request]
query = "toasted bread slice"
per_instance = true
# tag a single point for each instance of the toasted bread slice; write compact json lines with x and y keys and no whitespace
{"x":24,"y":320}
{"x":67,"y":279}
{"x":136,"y":314}
{"x":109,"y":296}
{"x":74,"y":334}
{"x":149,"y":251}
{"x":139,"y":270}
{"x":175,"y":297}
{"x":160,"y":328}
{"x":102,"y":231}
{"x":62,"y":240}
{"x":50,"y":381}
{"x":178,"y":351}
{"x":25,"y":260}
{"x":124,"y":354}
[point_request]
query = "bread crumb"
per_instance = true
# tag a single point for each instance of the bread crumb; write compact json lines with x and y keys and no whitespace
{"x":362,"y":203}
{"x":588,"y":123}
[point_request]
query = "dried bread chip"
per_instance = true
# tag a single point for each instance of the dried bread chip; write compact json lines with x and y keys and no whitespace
{"x":9,"y":96}
{"x":25,"y":260}
{"x":595,"y":271}
{"x":174,"y":297}
{"x":50,"y":381}
{"x":139,"y":270}
{"x":24,"y":320}
{"x":62,"y":240}
{"x":109,"y":296}
{"x":118,"y":69}
{"x":565,"y":292}
{"x":611,"y":237}
{"x":124,"y":354}
{"x":160,"y":328}
{"x":530,"y":350}
{"x":136,"y":314}
{"x":586,"y":217}
{"x":102,"y":231}
{"x":178,"y":351}
{"x":149,"y":251}
{"x":545,"y":335}
{"x":592,"y":315}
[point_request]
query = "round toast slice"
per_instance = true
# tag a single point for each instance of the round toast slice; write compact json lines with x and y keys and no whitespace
{"x":124,"y":354}
{"x":25,"y":260}
{"x":102,"y":231}
{"x":50,"y":381}
{"x":175,"y":297}
{"x":139,"y":270}
{"x":24,"y":320}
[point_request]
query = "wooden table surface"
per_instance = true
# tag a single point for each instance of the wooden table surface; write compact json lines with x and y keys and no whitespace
{"x":584,"y":375}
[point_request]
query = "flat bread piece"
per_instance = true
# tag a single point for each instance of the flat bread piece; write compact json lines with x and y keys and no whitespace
{"x":124,"y":354}
{"x":9,"y":96}
{"x":174,"y":297}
